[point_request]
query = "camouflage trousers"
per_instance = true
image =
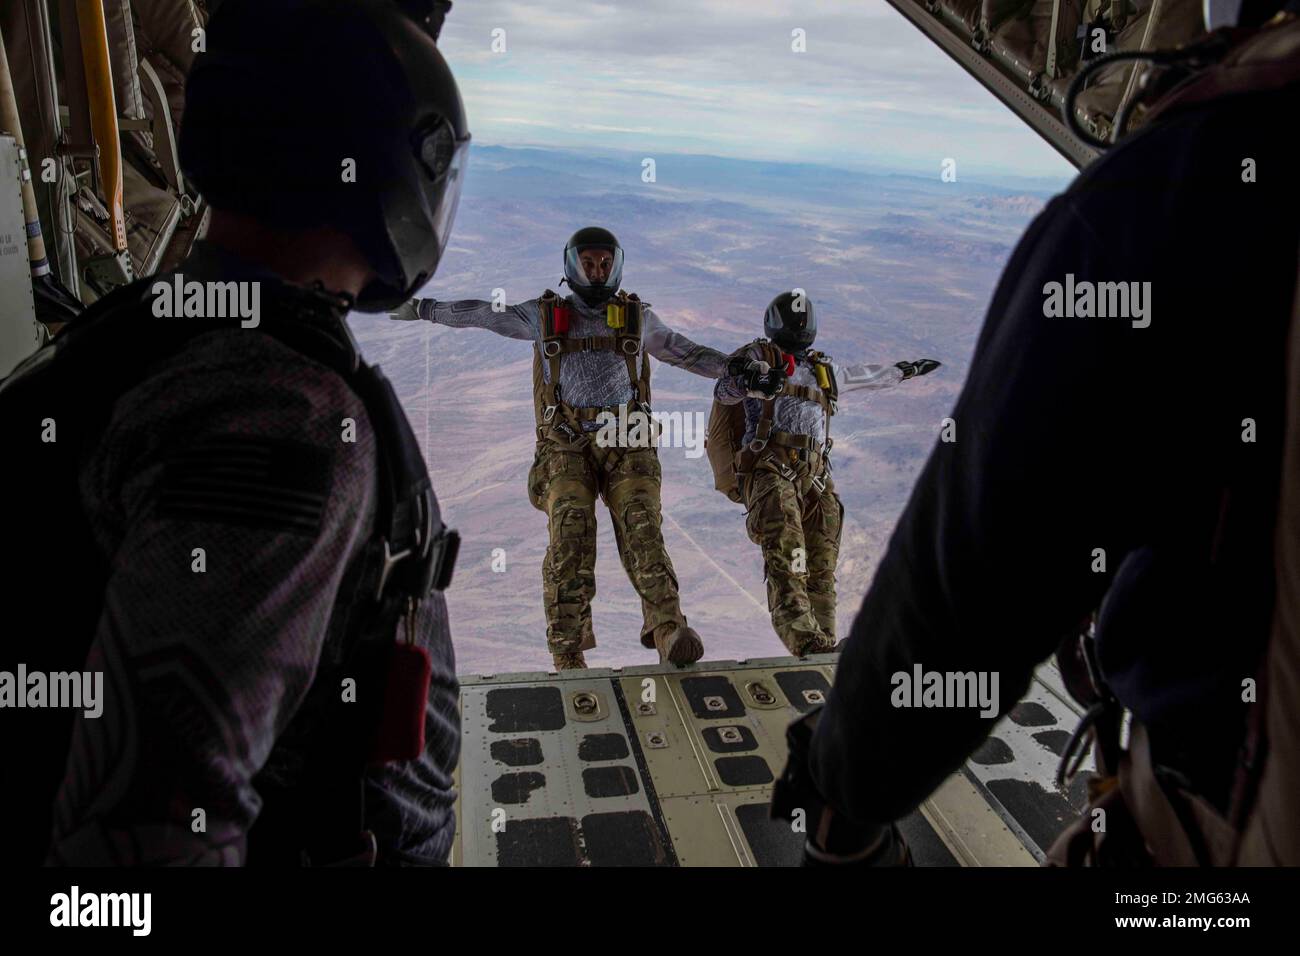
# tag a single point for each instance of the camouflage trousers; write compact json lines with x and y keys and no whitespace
{"x":798,"y":527}
{"x":565,"y":481}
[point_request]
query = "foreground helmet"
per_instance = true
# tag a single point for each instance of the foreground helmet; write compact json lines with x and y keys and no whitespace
{"x":338,"y":113}
{"x":593,"y":237}
{"x":790,"y":321}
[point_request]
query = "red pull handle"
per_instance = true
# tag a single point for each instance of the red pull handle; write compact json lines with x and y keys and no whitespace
{"x":400,"y":734}
{"x":560,"y":317}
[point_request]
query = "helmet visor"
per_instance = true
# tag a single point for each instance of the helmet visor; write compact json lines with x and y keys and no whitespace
{"x":575,"y":272}
{"x":442,"y":157}
{"x":420,"y":205}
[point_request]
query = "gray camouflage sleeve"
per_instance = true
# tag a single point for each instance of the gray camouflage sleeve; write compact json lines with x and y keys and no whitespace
{"x":231,"y":507}
{"x":519,"y":321}
{"x":676,"y":349}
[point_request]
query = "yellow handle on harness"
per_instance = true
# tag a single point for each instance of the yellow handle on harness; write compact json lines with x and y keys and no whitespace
{"x":823,"y":377}
{"x":615,"y":315}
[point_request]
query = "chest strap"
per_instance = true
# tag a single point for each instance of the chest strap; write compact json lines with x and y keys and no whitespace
{"x":826,"y":398}
{"x":624,"y":315}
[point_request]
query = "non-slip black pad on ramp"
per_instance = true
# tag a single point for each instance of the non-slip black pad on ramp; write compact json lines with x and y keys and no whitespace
{"x":794,"y":683}
{"x":743,"y":771}
{"x":516,"y":787}
{"x":550,"y":841}
{"x":515,"y":710}
{"x":699,"y":689}
{"x":520,"y":752}
{"x":602,"y":747}
{"x":618,"y":781}
{"x":626,"y":838}
{"x":773,"y":842}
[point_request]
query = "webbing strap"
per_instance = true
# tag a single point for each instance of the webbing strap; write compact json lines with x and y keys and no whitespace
{"x":546,"y":306}
{"x":643,"y":396}
{"x":792,"y":440}
{"x":763,"y":433}
{"x":815,"y":470}
{"x":554,"y":347}
{"x":588,"y":343}
{"x":632,"y":378}
{"x":763,"y":430}
{"x":807,"y":393}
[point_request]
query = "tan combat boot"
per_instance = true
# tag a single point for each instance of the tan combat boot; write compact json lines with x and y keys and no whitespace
{"x":678,"y":644}
{"x":569,"y":661}
{"x":820,"y":645}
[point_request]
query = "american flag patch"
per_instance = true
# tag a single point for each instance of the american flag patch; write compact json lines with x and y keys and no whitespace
{"x":249,"y":480}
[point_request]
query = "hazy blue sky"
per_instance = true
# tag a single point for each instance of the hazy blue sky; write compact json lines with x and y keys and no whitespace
{"x":720,"y":77}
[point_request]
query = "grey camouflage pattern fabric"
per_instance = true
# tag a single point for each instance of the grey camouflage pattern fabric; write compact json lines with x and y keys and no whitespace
{"x":795,"y":415}
{"x":587,"y":379}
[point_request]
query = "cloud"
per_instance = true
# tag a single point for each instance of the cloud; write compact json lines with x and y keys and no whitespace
{"x":720,"y":76}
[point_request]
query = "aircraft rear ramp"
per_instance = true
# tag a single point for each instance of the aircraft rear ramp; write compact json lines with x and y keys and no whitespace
{"x":660,"y":766}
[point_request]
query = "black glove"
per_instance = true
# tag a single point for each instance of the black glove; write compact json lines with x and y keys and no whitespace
{"x":831,"y":838}
{"x":764,"y":382}
{"x":757,"y":378}
{"x":919,"y":367}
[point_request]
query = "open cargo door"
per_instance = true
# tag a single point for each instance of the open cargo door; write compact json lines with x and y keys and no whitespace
{"x":1026,"y":52}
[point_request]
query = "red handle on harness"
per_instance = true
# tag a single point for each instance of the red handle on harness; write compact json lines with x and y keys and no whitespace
{"x":560,"y":317}
{"x":789,"y":364}
{"x":400,"y":734}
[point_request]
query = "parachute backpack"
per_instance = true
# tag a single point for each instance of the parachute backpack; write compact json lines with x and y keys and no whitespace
{"x":722,"y":442}
{"x":725,"y":436}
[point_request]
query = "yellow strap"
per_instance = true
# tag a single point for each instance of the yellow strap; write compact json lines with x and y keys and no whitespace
{"x":93,"y":31}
